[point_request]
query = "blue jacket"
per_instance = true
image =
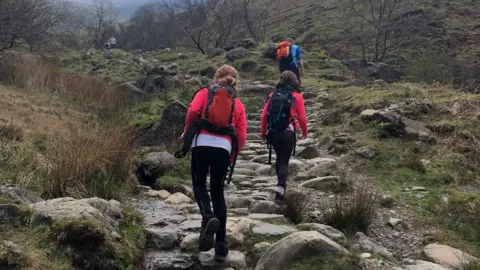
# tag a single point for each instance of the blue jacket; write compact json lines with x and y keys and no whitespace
{"x":297,"y":56}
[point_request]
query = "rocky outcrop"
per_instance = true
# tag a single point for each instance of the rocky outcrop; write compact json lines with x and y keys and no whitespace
{"x":11,"y":256}
{"x":236,"y":54}
{"x":293,"y":247}
{"x":18,"y":195}
{"x":397,"y":125}
{"x":98,"y":211}
{"x":447,"y":256}
{"x":153,"y":165}
{"x":370,"y":71}
{"x":169,"y":127}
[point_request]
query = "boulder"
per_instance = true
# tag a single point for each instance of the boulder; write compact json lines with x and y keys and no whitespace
{"x":308,"y":152}
{"x":326,"y":230}
{"x":447,"y":256}
{"x":271,"y":51}
{"x":267,"y":229}
{"x":159,"y":194}
{"x":237,"y":228}
{"x":400,"y":126}
{"x":265,"y":207}
{"x":370,"y":71}
{"x":173,"y":260}
{"x":236,"y":54}
{"x":99,"y":211}
{"x":208,"y":71}
{"x":18,"y":195}
{"x":169,"y":127}
{"x":11,"y":214}
{"x":321,"y":183}
{"x":152,"y":84}
{"x":162,"y":239}
{"x":178,"y":198}
{"x":366,"y":152}
{"x":12,"y":256}
{"x":235,"y":260}
{"x":131,"y":88}
{"x":153,"y":165}
{"x":294,"y":247}
{"x":423,"y":265}
{"x":318,"y":170}
{"x":190,"y":242}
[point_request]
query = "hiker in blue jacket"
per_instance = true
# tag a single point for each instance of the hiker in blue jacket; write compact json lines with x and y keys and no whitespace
{"x":289,"y":57}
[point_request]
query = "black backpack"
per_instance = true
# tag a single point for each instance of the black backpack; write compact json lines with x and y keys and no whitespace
{"x":278,"y":114}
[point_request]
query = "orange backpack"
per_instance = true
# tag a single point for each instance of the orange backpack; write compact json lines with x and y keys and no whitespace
{"x":219,"y":110}
{"x":284,"y":53}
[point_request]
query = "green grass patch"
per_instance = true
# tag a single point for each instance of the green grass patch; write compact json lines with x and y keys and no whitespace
{"x":327,"y":262}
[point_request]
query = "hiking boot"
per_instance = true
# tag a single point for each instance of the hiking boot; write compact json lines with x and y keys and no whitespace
{"x":221,"y":251}
{"x":207,"y":234}
{"x":280,"y":193}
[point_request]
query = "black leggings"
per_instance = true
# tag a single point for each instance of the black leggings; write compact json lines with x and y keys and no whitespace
{"x":216,"y":160}
{"x":282,"y":143}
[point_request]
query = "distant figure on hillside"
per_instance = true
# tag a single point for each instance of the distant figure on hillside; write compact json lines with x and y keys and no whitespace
{"x":113,"y":42}
{"x":289,"y":57}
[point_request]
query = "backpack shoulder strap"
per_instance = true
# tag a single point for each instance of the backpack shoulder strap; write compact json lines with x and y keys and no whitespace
{"x":198,"y":90}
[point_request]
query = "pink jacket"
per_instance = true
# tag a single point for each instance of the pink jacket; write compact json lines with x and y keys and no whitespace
{"x":297,"y":112}
{"x":239,"y":119}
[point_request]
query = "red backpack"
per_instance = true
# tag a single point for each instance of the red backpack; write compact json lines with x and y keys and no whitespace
{"x":219,"y":110}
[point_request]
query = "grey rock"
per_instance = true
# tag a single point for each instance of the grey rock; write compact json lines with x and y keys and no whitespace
{"x":321,"y":183}
{"x":236,"y":54}
{"x":11,"y":256}
{"x":18,"y":195}
{"x":318,"y":170}
{"x":265,"y":207}
{"x":267,"y":229}
{"x":308,"y":152}
{"x":162,"y":239}
{"x":265,"y":217}
{"x":400,"y":126}
{"x":447,"y":256}
{"x":295,"y":246}
{"x":306,"y":142}
{"x":106,"y":213}
{"x":256,"y":88}
{"x":190,"y":225}
{"x":238,"y":202}
{"x":394,"y":222}
{"x":326,"y":230}
{"x":194,"y":81}
{"x":169,"y":260}
{"x":423,"y":265}
{"x":235,"y":260}
{"x":208,"y":71}
{"x":10,"y":214}
{"x":190,"y":242}
{"x":153,"y":165}
{"x":271,"y":51}
{"x":366,"y":152}
{"x":170,"y":126}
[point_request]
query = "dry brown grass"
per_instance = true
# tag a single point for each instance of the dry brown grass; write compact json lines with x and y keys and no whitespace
{"x":36,"y":73}
{"x":94,"y":163}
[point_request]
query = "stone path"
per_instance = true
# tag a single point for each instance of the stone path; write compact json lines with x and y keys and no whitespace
{"x":173,"y":225}
{"x":172,"y":221}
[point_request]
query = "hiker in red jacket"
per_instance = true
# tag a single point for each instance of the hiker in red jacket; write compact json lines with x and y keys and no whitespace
{"x":213,"y":150}
{"x":283,"y":109}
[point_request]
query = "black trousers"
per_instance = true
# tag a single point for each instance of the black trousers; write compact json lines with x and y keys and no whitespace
{"x":295,"y":70}
{"x":283,"y":143}
{"x":215,"y":160}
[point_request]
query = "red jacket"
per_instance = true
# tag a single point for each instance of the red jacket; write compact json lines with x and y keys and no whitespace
{"x":239,"y":119}
{"x":297,"y":112}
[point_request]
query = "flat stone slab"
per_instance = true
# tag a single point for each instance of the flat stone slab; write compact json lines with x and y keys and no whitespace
{"x":257,"y":216}
{"x":235,"y":260}
{"x":268,"y":229}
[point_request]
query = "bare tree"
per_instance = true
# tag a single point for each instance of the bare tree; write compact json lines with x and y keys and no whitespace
{"x":151,"y":28}
{"x":372,"y":23}
{"x":105,"y":15}
{"x":220,"y":19}
{"x":28,"y":21}
{"x":190,"y":16}
{"x":256,"y":15}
